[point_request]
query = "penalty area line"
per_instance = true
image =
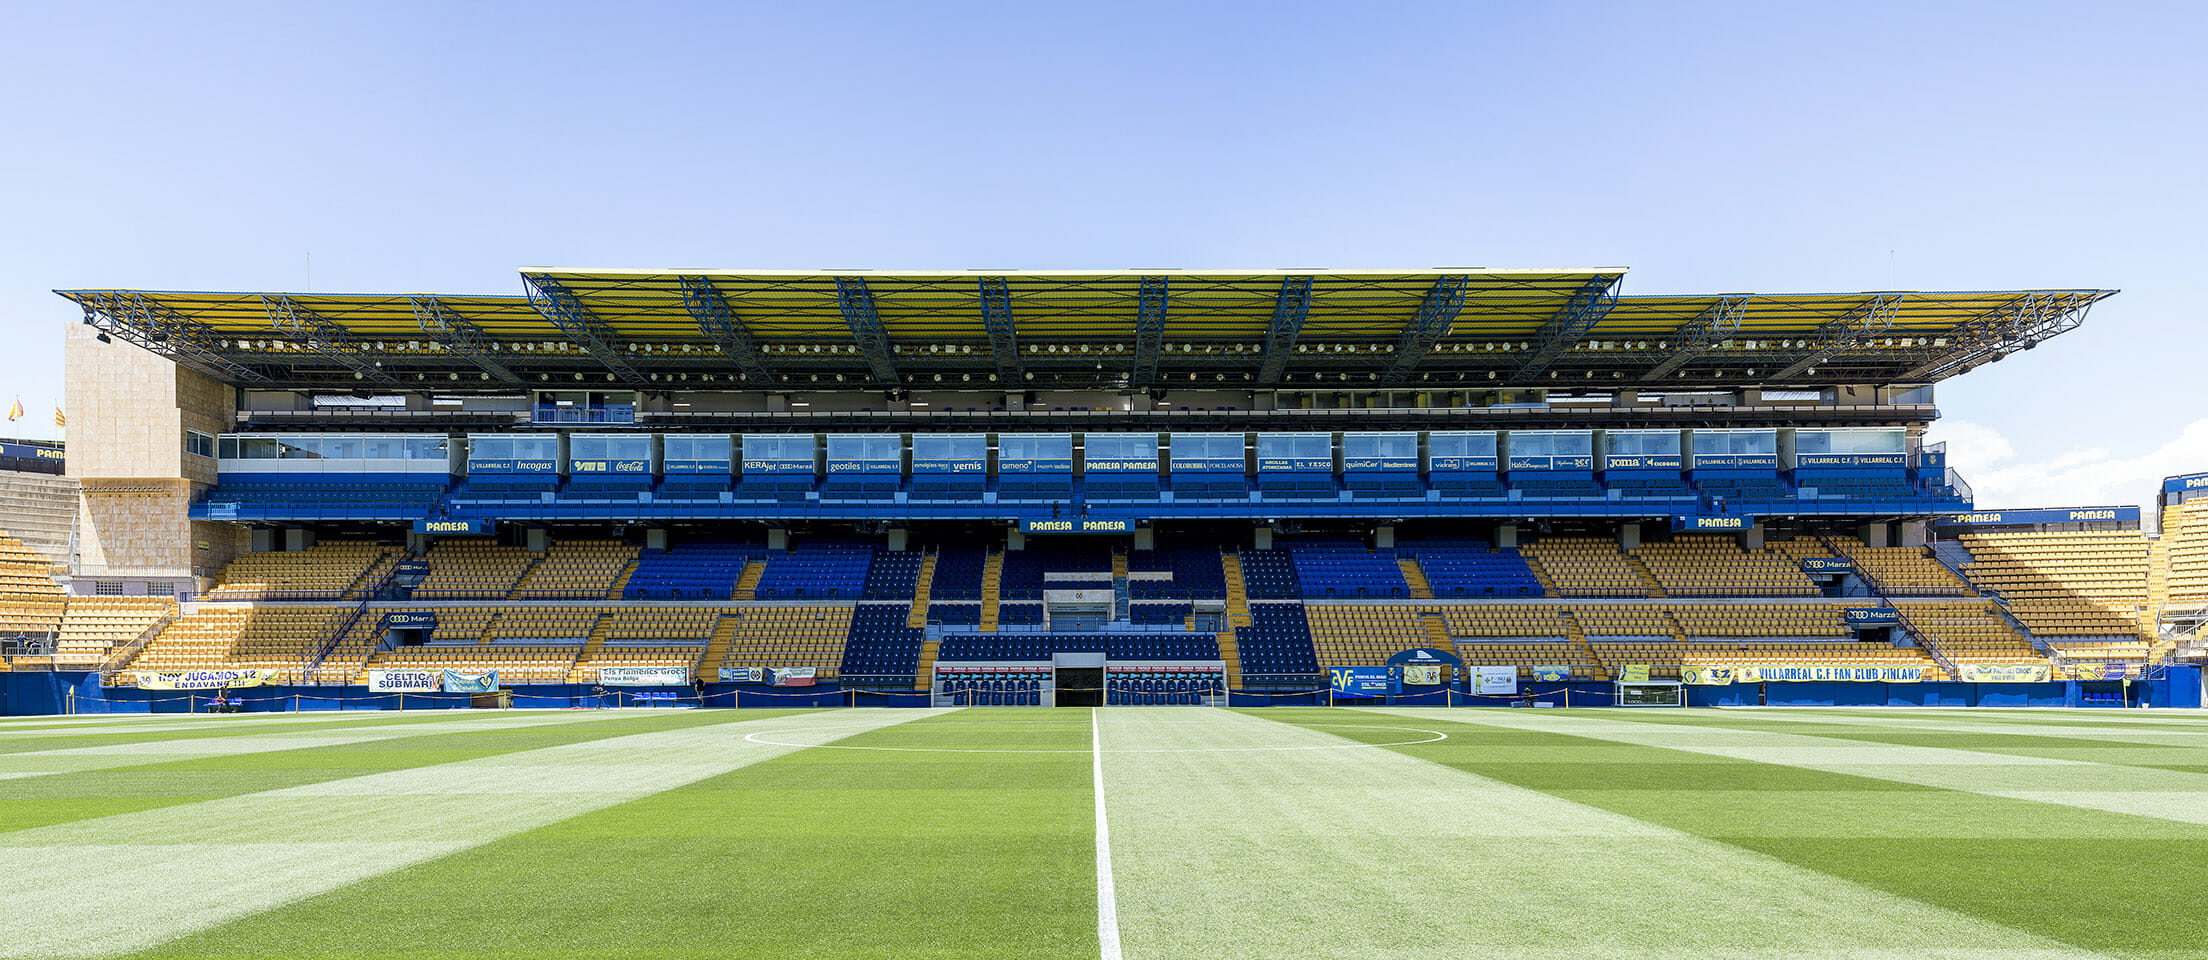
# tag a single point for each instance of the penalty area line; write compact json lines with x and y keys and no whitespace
{"x":1107,"y":898}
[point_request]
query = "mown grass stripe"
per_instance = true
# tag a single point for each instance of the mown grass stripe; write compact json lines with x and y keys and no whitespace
{"x":2063,"y":873}
{"x":1284,"y":832}
{"x":874,"y":845}
{"x":172,"y":865}
{"x":77,"y":755}
{"x":83,"y":795}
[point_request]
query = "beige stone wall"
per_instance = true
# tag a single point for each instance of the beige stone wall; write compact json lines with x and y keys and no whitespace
{"x":128,"y":409}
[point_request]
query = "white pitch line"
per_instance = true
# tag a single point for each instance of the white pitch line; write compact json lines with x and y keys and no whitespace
{"x":1107,"y":896}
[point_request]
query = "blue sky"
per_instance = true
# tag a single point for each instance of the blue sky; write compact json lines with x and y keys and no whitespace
{"x":1721,"y":147}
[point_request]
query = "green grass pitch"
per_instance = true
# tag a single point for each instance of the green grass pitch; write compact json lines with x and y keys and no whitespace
{"x":1284,"y":832}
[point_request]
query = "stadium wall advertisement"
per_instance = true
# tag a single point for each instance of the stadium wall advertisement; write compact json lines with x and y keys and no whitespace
{"x":1359,"y":682}
{"x":404,"y":681}
{"x":2002,"y":672}
{"x":1495,"y":680}
{"x":1997,"y":518}
{"x":644,"y":676}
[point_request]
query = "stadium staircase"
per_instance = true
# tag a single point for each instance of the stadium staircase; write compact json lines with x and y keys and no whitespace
{"x":1238,"y":616}
{"x":1540,"y":573}
{"x":1909,"y":627}
{"x":1119,"y":587}
{"x":716,"y":649}
{"x":1956,"y":559}
{"x":923,"y":674}
{"x":122,"y":655}
{"x":1577,"y":637}
{"x":599,"y":631}
{"x":747,"y":583}
{"x":526,"y":569}
{"x":1415,"y":578}
{"x":336,"y":637}
{"x":1649,"y":582}
{"x":1437,"y":630}
{"x":40,"y":510}
{"x":371,"y":581}
{"x":621,"y":581}
{"x":992,"y":577}
{"x":921,"y":585}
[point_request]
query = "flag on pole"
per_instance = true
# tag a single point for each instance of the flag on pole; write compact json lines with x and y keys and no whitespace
{"x":59,"y":420}
{"x":15,"y":411}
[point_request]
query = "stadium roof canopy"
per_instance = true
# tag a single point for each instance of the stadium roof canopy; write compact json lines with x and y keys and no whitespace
{"x":1134,"y":329}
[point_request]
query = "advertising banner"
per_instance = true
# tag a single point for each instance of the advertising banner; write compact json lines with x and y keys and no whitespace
{"x":1705,"y":675}
{"x":792,"y":676}
{"x":1807,"y":672}
{"x":404,"y":681}
{"x":1873,"y":616}
{"x":743,"y":674}
{"x":643,"y":676}
{"x":1495,"y":680}
{"x":410,"y":620}
{"x":1827,"y":565}
{"x":2002,"y":672}
{"x":1421,"y":674}
{"x":457,"y":682}
{"x":1632,"y":673}
{"x":1552,"y":673}
{"x":205,"y":679}
{"x":1355,"y":682}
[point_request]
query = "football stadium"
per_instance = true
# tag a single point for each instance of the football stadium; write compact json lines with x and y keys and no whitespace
{"x":1156,"y":613}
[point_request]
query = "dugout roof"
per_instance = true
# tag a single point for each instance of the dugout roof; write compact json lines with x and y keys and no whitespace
{"x":1134,"y":329}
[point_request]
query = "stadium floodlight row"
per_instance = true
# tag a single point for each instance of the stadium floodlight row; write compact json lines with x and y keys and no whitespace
{"x":1071,"y":486}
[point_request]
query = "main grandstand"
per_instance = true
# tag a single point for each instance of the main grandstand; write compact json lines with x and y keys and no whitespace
{"x":1072,"y":488}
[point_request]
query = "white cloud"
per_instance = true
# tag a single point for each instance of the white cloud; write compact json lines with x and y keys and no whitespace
{"x":2080,"y":476}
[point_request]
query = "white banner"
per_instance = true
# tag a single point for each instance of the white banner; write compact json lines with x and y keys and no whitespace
{"x":1495,"y":680}
{"x":644,"y":676}
{"x":404,"y":681}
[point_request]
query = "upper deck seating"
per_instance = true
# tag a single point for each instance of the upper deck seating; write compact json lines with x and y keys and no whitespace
{"x":1269,"y":575}
{"x":1467,"y":568}
{"x":1027,"y":571}
{"x":326,"y":571}
{"x":1717,"y":566}
{"x":817,"y":570}
{"x":472,"y":569}
{"x":894,"y":575}
{"x":958,"y":570}
{"x":2084,"y":583}
{"x":1586,"y":567}
{"x":692,"y":570}
{"x":576,"y":570}
{"x":1555,"y":485}
{"x":1344,"y":568}
{"x":1195,"y":571}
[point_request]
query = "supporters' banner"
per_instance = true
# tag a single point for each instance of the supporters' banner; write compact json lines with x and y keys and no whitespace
{"x":1632,"y":673}
{"x":643,"y":676}
{"x":206,"y":679}
{"x":1421,"y":674}
{"x":2099,"y":671}
{"x":1557,"y":673}
{"x":404,"y":681}
{"x":2002,"y":672}
{"x":1495,"y":680}
{"x":1359,"y":681}
{"x":743,"y":674}
{"x":1810,"y":672}
{"x":457,"y":682}
{"x":1705,"y":675}
{"x":792,"y":676}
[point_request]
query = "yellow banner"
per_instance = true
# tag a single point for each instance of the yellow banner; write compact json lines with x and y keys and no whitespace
{"x":1632,"y":673}
{"x":206,"y":679}
{"x":1705,"y":675}
{"x":2003,"y":672}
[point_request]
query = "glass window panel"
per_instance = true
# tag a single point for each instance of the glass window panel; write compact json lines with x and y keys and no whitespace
{"x":589,"y":448}
{"x":1035,"y":446}
{"x":1121,"y":446}
{"x":1456,"y":443}
{"x":1812,"y":441}
{"x":300,"y":448}
{"x":341,"y":447}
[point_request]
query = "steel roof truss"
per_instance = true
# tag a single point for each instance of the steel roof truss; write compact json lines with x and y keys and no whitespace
{"x":460,"y":337}
{"x":2018,"y":325}
{"x":1443,"y":302}
{"x":719,"y":322}
{"x":857,"y":303}
{"x":565,"y":311}
{"x":1150,"y":307}
{"x":1696,"y":336}
{"x":1289,"y":311}
{"x":1563,"y":331}
{"x":1843,"y":332}
{"x":996,"y":320}
{"x":139,"y":321}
